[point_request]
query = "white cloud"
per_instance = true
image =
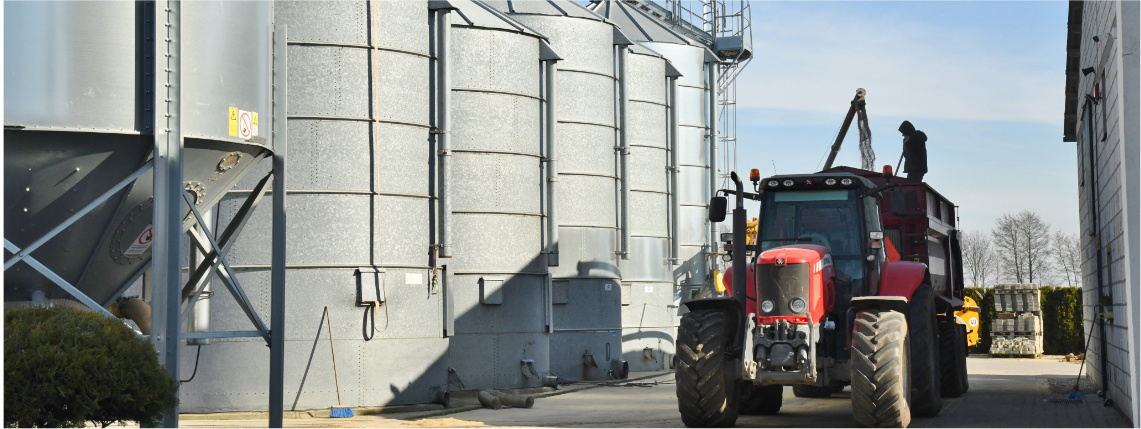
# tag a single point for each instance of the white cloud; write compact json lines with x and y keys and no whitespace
{"x":811,"y":59}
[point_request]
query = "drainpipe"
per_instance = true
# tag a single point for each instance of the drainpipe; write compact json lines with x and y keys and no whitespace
{"x":1095,"y":233}
{"x":711,"y":76}
{"x":443,"y":127}
{"x":675,"y":209}
{"x":550,"y":59}
{"x":621,"y":42}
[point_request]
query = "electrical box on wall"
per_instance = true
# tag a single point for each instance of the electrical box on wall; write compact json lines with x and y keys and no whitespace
{"x":370,"y":286}
{"x":491,"y":290}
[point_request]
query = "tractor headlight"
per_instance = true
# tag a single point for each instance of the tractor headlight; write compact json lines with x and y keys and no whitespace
{"x":788,"y":182}
{"x":767,"y":306}
{"x":829,"y":181}
{"x":796,"y":305}
{"x":773,"y":183}
{"x":846,"y":181}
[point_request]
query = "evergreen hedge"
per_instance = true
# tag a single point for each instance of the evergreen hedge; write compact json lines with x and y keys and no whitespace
{"x":64,"y":367}
{"x":1061,"y":319}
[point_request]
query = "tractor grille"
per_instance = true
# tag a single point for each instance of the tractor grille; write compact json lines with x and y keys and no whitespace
{"x":781,"y":284}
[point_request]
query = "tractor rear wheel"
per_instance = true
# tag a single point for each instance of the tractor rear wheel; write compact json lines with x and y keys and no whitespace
{"x":810,"y":391}
{"x":706,"y":385}
{"x":922,"y":326}
{"x":953,"y":344}
{"x":760,"y":400}
{"x":881,"y":371}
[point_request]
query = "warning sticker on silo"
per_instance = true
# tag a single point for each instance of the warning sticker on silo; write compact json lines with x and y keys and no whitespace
{"x":141,"y":244}
{"x":245,"y":124}
{"x":233,"y":121}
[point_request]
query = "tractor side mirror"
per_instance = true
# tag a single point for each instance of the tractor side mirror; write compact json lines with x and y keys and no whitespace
{"x":717,"y":209}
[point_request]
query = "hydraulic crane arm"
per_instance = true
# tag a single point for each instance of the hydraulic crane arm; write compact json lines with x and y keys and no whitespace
{"x":857,"y":104}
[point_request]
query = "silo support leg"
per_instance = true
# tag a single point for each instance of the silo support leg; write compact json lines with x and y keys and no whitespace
{"x":234,"y":229}
{"x":226,"y":274}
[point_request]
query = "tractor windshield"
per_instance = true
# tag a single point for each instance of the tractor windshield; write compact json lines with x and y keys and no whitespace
{"x":830,"y":218}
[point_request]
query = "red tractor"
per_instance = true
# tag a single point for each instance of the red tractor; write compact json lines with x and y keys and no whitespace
{"x":824,"y":299}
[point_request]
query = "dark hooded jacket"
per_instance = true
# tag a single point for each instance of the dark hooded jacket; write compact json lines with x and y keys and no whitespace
{"x":915,"y":149}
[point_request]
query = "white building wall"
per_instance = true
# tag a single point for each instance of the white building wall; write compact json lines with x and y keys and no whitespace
{"x":1115,"y":140}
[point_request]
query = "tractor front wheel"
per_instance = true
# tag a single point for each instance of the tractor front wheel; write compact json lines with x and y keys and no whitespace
{"x":706,"y":385}
{"x":881,"y":371}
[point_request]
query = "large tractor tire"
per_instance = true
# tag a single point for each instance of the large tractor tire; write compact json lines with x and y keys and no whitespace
{"x":706,"y":384}
{"x":953,"y":359}
{"x":760,"y":400}
{"x":927,"y":400}
{"x":809,"y":391}
{"x":881,"y":371}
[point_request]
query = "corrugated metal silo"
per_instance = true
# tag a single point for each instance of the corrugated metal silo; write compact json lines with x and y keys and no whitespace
{"x":586,"y":286}
{"x":498,"y":271}
{"x":649,"y":312}
{"x":359,"y":227}
{"x":692,"y":60}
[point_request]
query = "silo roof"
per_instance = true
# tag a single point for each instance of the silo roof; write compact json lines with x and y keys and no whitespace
{"x":476,"y":13}
{"x":568,"y":8}
{"x":635,"y":23}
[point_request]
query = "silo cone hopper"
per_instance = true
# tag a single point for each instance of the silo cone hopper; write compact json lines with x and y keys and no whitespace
{"x":80,"y":80}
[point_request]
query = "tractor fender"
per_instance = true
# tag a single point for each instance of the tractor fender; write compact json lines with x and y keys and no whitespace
{"x":901,"y":278}
{"x":894,"y":303}
{"x":730,"y":307}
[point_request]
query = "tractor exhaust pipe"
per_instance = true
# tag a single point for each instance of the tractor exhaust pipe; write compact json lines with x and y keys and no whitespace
{"x":739,"y":258}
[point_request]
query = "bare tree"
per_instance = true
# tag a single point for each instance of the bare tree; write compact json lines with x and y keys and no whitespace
{"x":979,"y":260}
{"x":1036,"y":239}
{"x":1006,"y":242}
{"x":1067,"y":252}
{"x":1023,"y":244}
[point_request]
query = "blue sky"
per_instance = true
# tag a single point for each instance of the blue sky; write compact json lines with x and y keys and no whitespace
{"x":984,"y":80}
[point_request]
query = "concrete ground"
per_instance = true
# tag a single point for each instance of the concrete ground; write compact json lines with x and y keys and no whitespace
{"x":1003,"y":393}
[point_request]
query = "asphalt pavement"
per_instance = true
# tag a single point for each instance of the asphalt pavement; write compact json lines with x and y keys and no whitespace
{"x":1003,"y":393}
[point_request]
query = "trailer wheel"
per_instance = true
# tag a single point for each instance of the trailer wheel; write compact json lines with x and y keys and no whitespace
{"x":925,"y":377}
{"x":881,"y":370}
{"x":810,"y":391}
{"x":953,"y":360}
{"x":706,"y":386}
{"x":760,"y":400}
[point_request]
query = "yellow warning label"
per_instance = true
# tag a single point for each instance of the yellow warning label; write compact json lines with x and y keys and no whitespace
{"x":255,"y":132}
{"x":234,"y":121}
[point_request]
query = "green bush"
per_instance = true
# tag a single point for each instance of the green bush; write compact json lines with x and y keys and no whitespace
{"x":64,"y":367}
{"x":1061,"y":319}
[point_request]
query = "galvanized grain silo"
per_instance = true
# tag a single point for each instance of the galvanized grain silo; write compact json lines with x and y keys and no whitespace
{"x":359,"y":226}
{"x":586,"y":286}
{"x":80,"y":101}
{"x":649,"y":308}
{"x":498,"y":270}
{"x":695,"y":96}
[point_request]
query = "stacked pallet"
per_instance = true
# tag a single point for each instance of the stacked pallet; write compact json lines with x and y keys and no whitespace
{"x":1017,"y":328}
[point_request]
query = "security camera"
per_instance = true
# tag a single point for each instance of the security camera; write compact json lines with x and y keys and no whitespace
{"x":1098,"y":37}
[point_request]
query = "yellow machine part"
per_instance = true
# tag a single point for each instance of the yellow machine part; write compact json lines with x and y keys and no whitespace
{"x":969,"y":316}
{"x":751,"y":232}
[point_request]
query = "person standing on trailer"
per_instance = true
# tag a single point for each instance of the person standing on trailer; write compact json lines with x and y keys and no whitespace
{"x":915,"y":150}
